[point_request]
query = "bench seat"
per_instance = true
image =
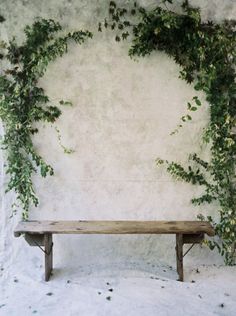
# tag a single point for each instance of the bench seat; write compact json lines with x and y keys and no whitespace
{"x":113,"y":227}
{"x":39,"y":233}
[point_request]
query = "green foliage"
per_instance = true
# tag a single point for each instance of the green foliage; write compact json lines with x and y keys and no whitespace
{"x":206,"y":53}
{"x":23,"y":102}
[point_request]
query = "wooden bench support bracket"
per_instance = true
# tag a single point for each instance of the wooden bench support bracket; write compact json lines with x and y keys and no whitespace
{"x":35,"y":239}
{"x":193,"y":238}
{"x":48,"y":247}
{"x":186,"y":252}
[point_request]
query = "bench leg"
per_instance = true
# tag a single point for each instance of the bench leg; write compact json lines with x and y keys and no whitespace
{"x":48,"y":244}
{"x":179,"y":256}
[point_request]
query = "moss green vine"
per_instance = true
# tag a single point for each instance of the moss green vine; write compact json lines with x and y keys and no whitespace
{"x":23,"y":102}
{"x":206,"y":53}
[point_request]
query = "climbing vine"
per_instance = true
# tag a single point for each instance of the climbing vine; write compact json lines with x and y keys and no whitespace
{"x":23,"y":102}
{"x":206,"y":53}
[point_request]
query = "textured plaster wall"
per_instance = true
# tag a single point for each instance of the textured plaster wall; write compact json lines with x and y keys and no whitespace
{"x":123,"y":114}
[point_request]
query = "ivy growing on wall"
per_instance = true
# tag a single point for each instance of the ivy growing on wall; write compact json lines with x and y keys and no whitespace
{"x":23,"y":102}
{"x":206,"y":53}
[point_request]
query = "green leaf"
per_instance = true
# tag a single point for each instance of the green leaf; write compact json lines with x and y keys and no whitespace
{"x":197,"y":101}
{"x":67,"y":103}
{"x":189,"y":117}
{"x":99,"y":27}
{"x":117,"y":38}
{"x":112,"y":4}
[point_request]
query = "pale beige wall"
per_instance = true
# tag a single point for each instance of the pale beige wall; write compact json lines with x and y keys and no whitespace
{"x":123,"y":113}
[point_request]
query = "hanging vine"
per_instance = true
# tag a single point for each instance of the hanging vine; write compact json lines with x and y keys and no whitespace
{"x":23,"y":102}
{"x":206,"y":53}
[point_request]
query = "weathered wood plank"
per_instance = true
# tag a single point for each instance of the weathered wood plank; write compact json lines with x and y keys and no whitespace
{"x":114,"y":227}
{"x":48,"y":255}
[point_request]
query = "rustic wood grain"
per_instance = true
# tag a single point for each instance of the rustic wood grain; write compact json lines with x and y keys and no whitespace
{"x":114,"y":227}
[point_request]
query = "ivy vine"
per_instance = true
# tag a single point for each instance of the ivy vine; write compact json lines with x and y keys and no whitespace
{"x":206,"y":53}
{"x":23,"y":102}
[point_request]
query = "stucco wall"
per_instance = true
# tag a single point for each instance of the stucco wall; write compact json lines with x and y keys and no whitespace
{"x":123,"y":113}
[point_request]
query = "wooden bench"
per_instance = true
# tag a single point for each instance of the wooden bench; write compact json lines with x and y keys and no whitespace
{"x":39,"y":233}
